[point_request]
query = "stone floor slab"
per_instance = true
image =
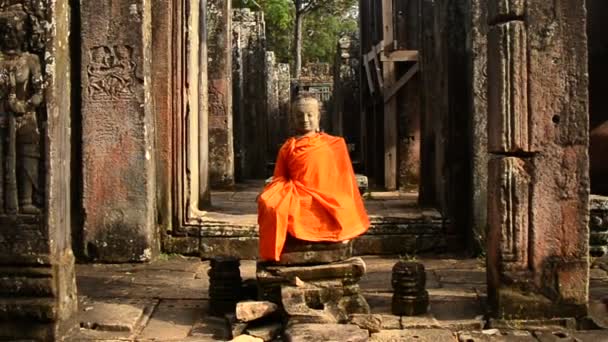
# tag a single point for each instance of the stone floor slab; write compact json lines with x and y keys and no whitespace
{"x":210,"y":327}
{"x":117,"y":315}
{"x":495,"y":335}
{"x":418,"y":335}
{"x":173,"y":320}
{"x":572,"y":336}
{"x":325,"y":332}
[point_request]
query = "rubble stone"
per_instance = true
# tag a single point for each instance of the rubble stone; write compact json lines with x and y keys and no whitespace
{"x":266,"y":332}
{"x":372,"y":323}
{"x":251,"y":310}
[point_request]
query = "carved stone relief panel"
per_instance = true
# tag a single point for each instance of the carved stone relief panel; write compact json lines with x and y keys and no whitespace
{"x":21,"y":105}
{"x":507,"y":91}
{"x":111,"y":73}
{"x":511,"y":212}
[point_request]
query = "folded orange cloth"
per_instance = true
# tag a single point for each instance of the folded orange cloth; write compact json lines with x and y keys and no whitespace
{"x":313,"y":196}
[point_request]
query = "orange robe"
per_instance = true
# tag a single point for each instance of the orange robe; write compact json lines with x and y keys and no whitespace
{"x":313,"y":196}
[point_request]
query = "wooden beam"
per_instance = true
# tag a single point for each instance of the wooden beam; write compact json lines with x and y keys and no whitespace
{"x":389,"y":93}
{"x":368,"y":74}
{"x":390,"y":107}
{"x":378,"y":71}
{"x":400,"y":56}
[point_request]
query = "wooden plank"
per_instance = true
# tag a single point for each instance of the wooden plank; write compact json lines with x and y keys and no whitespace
{"x":390,"y":107}
{"x":400,"y":56}
{"x":389,"y":93}
{"x":368,"y":74}
{"x":378,"y":71}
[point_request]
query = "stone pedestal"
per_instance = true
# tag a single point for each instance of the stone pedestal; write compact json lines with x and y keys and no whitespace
{"x":37,"y":284}
{"x":325,"y":293}
{"x":410,"y":297}
{"x":224,"y":285}
{"x":300,"y":252}
{"x":118,"y":155}
{"x":538,"y":180}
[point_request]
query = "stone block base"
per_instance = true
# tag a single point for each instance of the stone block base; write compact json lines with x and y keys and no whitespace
{"x":38,"y":302}
{"x":326,"y":293}
{"x":514,"y":304}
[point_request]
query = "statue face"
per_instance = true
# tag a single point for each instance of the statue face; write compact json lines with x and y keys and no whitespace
{"x":306,"y":116}
{"x":12,"y":32}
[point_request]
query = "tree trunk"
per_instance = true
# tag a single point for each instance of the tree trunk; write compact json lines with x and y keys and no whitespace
{"x":297,"y":55}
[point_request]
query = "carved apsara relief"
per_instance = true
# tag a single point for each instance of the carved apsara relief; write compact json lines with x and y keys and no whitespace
{"x":111,"y":73}
{"x":21,"y":102}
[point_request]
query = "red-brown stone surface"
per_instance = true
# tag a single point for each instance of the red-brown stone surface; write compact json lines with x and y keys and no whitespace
{"x":118,"y":193}
{"x":550,"y":277}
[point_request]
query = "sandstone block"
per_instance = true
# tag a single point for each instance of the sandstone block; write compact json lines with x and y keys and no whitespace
{"x":421,"y":335}
{"x":246,"y":338}
{"x":266,"y":332}
{"x":251,"y":310}
{"x":372,"y":323}
{"x":325,"y":332}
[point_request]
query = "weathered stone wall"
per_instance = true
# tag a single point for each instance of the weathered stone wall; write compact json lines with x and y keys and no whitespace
{"x":597,"y":11}
{"x":538,"y":180}
{"x":219,"y":45}
{"x":346,"y":112}
{"x":435,"y":96}
{"x":278,"y":100}
{"x":118,"y":195}
{"x":249,"y":94}
{"x":37,"y":283}
{"x":454,"y":139}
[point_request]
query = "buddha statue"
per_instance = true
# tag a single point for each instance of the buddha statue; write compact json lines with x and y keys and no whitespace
{"x":313,"y":195}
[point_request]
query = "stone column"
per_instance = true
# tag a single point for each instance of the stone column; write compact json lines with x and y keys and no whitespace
{"x":219,"y":50}
{"x":250,"y":121}
{"x":272,"y":104}
{"x":538,"y":181}
{"x":478,"y":133}
{"x":37,"y":284}
{"x":117,"y":131}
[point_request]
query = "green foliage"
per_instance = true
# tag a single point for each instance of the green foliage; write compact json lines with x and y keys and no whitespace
{"x":321,"y":34}
{"x":323,"y":24}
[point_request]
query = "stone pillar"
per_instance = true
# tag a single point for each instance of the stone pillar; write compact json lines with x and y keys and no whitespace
{"x":117,"y":131}
{"x":284,"y":95}
{"x":219,"y":50}
{"x":37,"y":284}
{"x":249,"y":106}
{"x":275,"y":127}
{"x":163,"y":26}
{"x":478,"y":133}
{"x":538,"y":179}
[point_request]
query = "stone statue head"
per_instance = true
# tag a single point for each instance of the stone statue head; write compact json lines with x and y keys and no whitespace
{"x":305,"y":114}
{"x":13,"y":27}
